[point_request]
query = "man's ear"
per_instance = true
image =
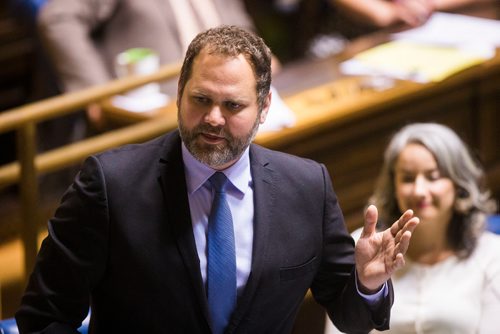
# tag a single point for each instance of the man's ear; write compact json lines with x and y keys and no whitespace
{"x":265,"y":107}
{"x":178,"y":98}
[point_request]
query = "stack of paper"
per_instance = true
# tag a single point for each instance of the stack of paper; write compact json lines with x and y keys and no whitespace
{"x":475,"y":34}
{"x":445,"y":45}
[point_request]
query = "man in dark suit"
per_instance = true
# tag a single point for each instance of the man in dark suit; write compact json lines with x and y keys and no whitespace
{"x":132,"y":236}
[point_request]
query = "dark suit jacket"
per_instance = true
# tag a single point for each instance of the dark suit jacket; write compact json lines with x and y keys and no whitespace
{"x":122,"y":241}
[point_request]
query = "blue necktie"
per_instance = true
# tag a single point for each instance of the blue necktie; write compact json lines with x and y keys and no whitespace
{"x":221,"y":258}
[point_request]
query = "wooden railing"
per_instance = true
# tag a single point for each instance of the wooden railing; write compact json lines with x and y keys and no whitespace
{"x":30,"y":164}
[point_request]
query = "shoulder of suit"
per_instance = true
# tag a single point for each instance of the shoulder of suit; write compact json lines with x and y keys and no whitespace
{"x":156,"y":145}
{"x":280,"y":157}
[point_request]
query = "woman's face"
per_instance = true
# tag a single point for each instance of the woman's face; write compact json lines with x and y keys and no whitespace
{"x":421,"y":187}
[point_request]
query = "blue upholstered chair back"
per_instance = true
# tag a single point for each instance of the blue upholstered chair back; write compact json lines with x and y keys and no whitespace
{"x":8,"y":326}
{"x":493,"y":224}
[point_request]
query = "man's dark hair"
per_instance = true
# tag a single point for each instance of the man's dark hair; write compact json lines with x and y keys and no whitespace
{"x":231,"y":41}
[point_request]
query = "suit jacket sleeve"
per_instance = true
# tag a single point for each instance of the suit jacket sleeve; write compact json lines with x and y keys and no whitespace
{"x":346,"y":308}
{"x":66,"y":28}
{"x":71,"y":260}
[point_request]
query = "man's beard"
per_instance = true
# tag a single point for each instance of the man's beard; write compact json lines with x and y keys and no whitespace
{"x":215,"y":155}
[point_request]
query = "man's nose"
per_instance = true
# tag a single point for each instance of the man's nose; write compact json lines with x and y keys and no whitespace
{"x":214,"y":116}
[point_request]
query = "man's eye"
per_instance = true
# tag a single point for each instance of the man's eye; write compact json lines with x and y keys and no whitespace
{"x":201,"y":99}
{"x":233,"y":106}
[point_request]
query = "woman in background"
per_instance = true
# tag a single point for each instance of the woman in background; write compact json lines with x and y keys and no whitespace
{"x":451,"y":280}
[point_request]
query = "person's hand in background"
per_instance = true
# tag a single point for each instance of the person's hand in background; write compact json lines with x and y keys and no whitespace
{"x":413,"y":12}
{"x":382,"y":13}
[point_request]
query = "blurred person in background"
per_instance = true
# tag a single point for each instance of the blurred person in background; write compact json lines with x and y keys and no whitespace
{"x":451,"y":280}
{"x":385,"y":13}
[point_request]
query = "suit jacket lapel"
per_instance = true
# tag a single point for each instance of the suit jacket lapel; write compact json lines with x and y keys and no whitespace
{"x":264,"y":196}
{"x":172,"y":181}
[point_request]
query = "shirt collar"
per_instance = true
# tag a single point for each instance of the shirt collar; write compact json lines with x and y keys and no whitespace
{"x":197,"y":173}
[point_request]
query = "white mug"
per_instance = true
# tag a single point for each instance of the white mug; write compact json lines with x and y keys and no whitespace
{"x":137,"y":61}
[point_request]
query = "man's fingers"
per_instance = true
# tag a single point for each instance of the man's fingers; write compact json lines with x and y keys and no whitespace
{"x":401,"y":222}
{"x":402,"y":239}
{"x":399,"y":261}
{"x":402,"y":245}
{"x":410,"y":226}
{"x":371,"y":216}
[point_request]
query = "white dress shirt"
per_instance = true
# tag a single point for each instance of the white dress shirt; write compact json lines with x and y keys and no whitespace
{"x":240,"y":200}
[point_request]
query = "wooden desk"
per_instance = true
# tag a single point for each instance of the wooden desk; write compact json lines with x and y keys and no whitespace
{"x":346,"y":124}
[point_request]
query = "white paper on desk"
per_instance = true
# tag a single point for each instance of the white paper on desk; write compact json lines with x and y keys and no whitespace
{"x":445,"y":44}
{"x":474,"y":34}
{"x":141,"y":104}
{"x":356,"y":67}
{"x":279,"y":115}
{"x":412,"y":61}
